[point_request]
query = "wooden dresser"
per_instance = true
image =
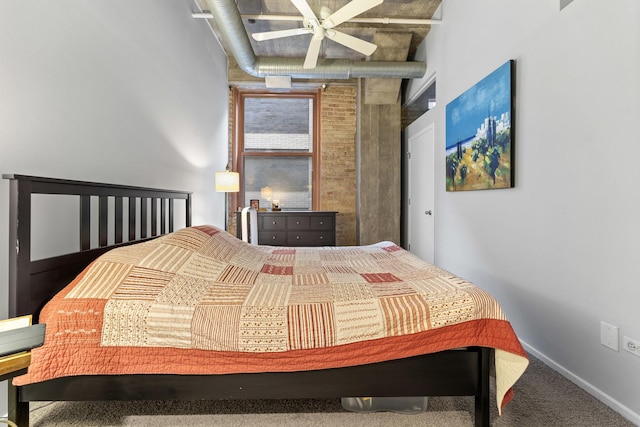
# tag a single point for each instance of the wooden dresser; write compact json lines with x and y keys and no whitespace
{"x":294,"y":228}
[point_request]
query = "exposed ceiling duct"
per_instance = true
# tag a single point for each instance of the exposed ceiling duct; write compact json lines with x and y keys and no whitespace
{"x":229,"y":22}
{"x":263,"y":17}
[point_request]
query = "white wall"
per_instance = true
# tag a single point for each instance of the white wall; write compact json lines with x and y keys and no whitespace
{"x":127,"y":92}
{"x":560,"y":250}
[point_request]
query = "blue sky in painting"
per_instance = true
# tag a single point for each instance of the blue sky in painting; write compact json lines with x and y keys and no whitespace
{"x":467,"y":112}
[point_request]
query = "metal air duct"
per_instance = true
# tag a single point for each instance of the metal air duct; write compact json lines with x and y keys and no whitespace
{"x":229,"y":22}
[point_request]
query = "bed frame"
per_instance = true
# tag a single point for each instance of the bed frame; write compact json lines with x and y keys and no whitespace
{"x":33,"y":283}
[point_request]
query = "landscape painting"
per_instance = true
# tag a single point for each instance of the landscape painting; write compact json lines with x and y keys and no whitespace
{"x":479,"y":134}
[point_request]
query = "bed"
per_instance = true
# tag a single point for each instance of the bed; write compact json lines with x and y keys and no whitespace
{"x":305,"y":339}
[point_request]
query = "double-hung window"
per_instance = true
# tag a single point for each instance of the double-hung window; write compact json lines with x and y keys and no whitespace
{"x":276,"y":149}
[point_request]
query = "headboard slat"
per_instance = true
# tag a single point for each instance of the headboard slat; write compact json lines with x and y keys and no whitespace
{"x":163,"y":216}
{"x":118,"y":220}
{"x":132,"y":218}
{"x":154,"y":216}
{"x":171,"y":209}
{"x":143,"y":217}
{"x":103,"y":220}
{"x":85,"y":222}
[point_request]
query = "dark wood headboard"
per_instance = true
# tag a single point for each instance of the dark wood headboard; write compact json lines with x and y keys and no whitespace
{"x":33,"y":282}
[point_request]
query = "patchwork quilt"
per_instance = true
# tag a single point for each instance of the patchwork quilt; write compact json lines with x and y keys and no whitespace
{"x":200,"y":301}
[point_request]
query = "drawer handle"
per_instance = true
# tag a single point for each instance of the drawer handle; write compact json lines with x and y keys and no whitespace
{"x":273,"y":238}
{"x":321,"y":237}
{"x":297,"y":237}
{"x":297,"y":222}
{"x":321,"y":222}
{"x":274,"y":223}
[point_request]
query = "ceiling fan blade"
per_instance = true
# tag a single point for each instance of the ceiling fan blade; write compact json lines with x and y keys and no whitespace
{"x":311,"y":59}
{"x":351,"y":42}
{"x":348,"y":11}
{"x":305,"y":10}
{"x":269,"y":35}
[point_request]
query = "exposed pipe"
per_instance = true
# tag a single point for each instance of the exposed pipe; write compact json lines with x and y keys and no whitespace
{"x":262,"y":17}
{"x":229,"y":22}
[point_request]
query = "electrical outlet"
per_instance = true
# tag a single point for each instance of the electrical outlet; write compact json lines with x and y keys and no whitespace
{"x":632,"y":346}
{"x":609,"y":336}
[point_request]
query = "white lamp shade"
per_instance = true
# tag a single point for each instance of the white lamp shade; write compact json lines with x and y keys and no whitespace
{"x":227,"y":182}
{"x":266,"y":193}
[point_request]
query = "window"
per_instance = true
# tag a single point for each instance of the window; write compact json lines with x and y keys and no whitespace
{"x":276,"y":148}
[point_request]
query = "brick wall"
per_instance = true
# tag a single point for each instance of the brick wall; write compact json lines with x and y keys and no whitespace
{"x":338,"y":161}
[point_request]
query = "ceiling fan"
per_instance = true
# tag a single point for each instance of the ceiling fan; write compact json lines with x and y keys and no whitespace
{"x":323,"y":27}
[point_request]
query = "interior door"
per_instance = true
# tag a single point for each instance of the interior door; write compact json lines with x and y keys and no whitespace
{"x":421,"y":194}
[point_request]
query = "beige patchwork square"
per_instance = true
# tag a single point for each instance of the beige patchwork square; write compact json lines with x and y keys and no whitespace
{"x":307,"y":254}
{"x":226,"y":294}
{"x":215,"y":327}
{"x":404,"y":315}
{"x":165,"y":257}
{"x":268,"y":295}
{"x":346,"y":278}
{"x":432,"y":286}
{"x":450,"y":308}
{"x":184,"y":291}
{"x":263,"y":329}
{"x":358,"y":320}
{"x":311,"y":326}
{"x":142,"y":284}
{"x":365,"y":265}
{"x":310,"y":294}
{"x":351,"y":291}
{"x":124,"y":323}
{"x":218,"y":248}
{"x":249,"y":259}
{"x":310,"y":279}
{"x":169,"y":325}
{"x":281,"y":259}
{"x":202,"y":267}
{"x":131,"y":254}
{"x":307,"y":266}
{"x":276,"y":279}
{"x":189,"y":238}
{"x":236,"y":274}
{"x":100,"y":281}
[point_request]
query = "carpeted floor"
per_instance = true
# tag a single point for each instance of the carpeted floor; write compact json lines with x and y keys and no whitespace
{"x":543,"y":398}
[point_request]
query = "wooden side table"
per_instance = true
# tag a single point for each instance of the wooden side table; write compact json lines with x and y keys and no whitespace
{"x":18,"y":348}
{"x":12,"y":366}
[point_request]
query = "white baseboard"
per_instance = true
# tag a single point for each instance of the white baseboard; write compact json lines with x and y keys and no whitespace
{"x":589,"y":388}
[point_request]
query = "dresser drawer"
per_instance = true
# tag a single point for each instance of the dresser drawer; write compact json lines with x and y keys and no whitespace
{"x":310,"y":238}
{"x":272,"y":238}
{"x":298,"y":223}
{"x":273,"y":222}
{"x":321,"y":223}
{"x":294,"y":228}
